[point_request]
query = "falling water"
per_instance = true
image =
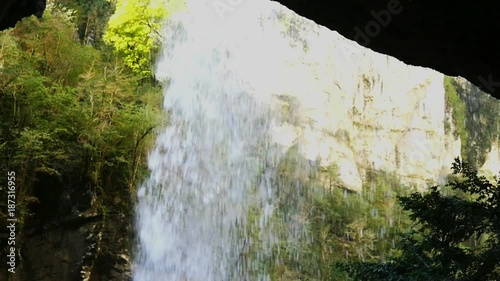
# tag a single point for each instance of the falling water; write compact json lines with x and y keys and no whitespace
{"x":215,"y":159}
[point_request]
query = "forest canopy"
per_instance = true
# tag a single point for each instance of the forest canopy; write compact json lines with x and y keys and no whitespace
{"x":134,"y":30}
{"x":72,"y":113}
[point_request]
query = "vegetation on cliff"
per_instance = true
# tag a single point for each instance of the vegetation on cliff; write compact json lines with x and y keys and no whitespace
{"x":72,"y":113}
{"x":476,"y":119}
{"x":134,"y":31}
{"x":320,"y":224}
{"x":455,"y":234}
{"x":455,"y":108}
{"x":386,"y":232}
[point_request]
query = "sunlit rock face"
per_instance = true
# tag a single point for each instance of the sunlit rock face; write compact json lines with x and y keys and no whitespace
{"x":453,"y":37}
{"x":490,"y":167}
{"x":348,"y":105}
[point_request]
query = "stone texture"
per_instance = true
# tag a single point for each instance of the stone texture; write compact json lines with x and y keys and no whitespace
{"x":359,"y":109}
{"x":82,"y":244}
{"x":454,"y":37}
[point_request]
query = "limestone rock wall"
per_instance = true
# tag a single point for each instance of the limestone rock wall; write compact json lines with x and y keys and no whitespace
{"x":450,"y":36}
{"x":348,"y":105}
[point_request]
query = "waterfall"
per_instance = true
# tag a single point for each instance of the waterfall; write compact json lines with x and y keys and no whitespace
{"x":215,"y":158}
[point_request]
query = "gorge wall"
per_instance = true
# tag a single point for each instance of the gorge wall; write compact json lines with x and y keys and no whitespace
{"x":455,"y":38}
{"x":361,"y":110}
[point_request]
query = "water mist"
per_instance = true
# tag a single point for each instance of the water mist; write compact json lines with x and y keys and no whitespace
{"x":215,"y":159}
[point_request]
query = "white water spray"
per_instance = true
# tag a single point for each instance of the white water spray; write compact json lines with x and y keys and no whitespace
{"x":215,"y":159}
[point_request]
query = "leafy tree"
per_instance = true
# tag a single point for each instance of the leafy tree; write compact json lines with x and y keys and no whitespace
{"x":455,"y":237}
{"x":134,"y":30}
{"x":89,"y":16}
{"x":338,"y":225}
{"x":71,"y":114}
{"x":49,"y":46}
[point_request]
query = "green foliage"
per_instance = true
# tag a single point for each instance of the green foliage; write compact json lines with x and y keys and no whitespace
{"x":476,"y":116}
{"x":70,"y":112}
{"x":133,"y":30}
{"x":48,"y":45}
{"x":339,"y":225}
{"x":90,"y":18}
{"x":483,"y":125}
{"x":457,"y":108}
{"x":456,"y":237}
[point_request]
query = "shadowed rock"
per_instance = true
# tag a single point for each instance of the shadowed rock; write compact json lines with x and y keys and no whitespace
{"x":12,"y":11}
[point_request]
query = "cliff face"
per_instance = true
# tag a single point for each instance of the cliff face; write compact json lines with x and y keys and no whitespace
{"x":361,"y":110}
{"x":87,"y":246}
{"x":453,"y":37}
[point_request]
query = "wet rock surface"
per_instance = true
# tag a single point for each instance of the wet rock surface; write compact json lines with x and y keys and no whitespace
{"x":87,"y":244}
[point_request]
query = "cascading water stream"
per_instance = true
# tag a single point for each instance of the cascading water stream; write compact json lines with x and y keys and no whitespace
{"x":215,"y":159}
